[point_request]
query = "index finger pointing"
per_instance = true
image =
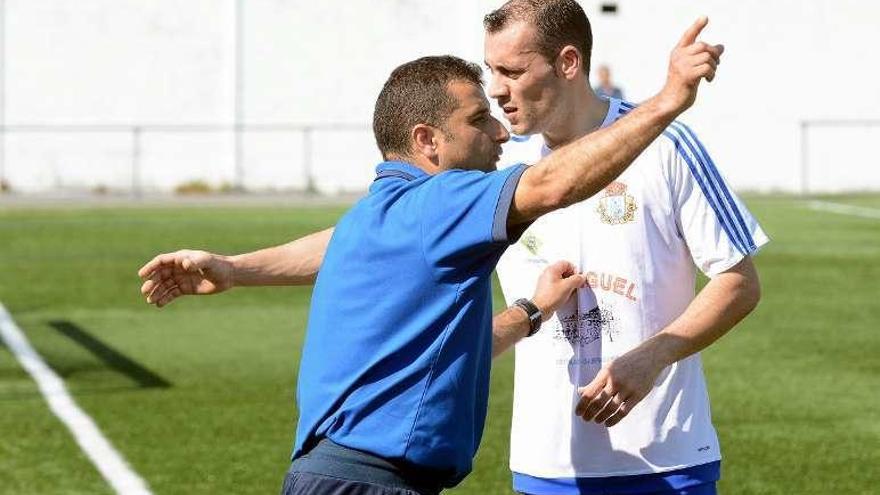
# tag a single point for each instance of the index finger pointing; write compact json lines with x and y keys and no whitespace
{"x":690,"y":36}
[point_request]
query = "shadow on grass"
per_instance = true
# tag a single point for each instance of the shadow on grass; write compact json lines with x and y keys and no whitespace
{"x":112,"y":358}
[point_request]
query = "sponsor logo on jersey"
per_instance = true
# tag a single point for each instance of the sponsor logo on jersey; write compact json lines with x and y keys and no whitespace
{"x":610,"y":282}
{"x":616,"y":206}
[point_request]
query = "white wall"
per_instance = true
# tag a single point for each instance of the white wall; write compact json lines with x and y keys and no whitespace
{"x":785,"y":61}
{"x":147,"y":62}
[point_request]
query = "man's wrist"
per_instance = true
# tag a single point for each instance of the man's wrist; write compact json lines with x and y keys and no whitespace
{"x":533,"y":313}
{"x":522,"y":325}
{"x":665,"y":106}
{"x":662,"y":350}
{"x":235,"y":263}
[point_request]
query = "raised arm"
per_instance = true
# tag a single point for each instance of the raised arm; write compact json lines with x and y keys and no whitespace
{"x":580,"y":169}
{"x":187,"y":272}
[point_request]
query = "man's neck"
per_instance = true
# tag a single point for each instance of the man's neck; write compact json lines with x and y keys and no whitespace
{"x":418,"y":161}
{"x":584,"y":113}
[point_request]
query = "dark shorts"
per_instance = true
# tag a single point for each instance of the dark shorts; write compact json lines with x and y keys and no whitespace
{"x":298,"y":483}
{"x":333,"y":469}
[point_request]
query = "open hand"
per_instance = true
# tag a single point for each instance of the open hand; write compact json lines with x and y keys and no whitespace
{"x":171,"y":275}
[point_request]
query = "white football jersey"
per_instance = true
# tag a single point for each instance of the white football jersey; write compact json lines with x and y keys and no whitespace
{"x":639,"y":242}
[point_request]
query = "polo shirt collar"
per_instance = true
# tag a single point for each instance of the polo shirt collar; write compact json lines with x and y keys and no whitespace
{"x":400,"y":169}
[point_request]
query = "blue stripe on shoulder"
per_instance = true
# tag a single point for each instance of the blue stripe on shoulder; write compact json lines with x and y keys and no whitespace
{"x":516,"y":138}
{"x":713,"y":170}
{"x":721,"y":213}
{"x":722,"y":203}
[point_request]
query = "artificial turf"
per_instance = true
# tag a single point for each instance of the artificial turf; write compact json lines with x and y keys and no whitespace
{"x":200,"y":398}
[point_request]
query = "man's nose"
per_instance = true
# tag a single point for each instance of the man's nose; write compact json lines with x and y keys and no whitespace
{"x":501,"y":134}
{"x":497,"y":88}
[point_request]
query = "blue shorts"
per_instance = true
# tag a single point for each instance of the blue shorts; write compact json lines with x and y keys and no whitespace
{"x":704,"y":489}
{"x":694,"y":480}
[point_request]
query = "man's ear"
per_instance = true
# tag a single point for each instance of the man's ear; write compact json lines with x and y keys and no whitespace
{"x":569,"y":62}
{"x":424,"y":141}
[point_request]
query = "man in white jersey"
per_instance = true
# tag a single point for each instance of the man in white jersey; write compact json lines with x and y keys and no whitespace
{"x":610,"y":395}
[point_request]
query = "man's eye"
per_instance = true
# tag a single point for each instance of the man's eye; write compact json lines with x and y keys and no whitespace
{"x":511,"y":74}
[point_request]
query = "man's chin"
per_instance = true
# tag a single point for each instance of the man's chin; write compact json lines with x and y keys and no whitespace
{"x":521,"y":129}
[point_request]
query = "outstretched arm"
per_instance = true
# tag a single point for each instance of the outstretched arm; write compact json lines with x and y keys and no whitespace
{"x":187,"y":272}
{"x":555,"y":286}
{"x":620,"y":385}
{"x":580,"y":169}
{"x":294,"y":263}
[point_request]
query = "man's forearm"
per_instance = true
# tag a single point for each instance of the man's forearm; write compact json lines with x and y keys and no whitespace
{"x":508,"y":327}
{"x":294,"y":263}
{"x":591,"y":163}
{"x":582,"y":168}
{"x":723,"y":302}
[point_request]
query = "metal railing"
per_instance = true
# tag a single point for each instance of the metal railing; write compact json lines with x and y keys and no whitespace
{"x":138,"y":131}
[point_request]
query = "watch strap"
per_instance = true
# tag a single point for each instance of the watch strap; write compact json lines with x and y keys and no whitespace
{"x":535,"y":315}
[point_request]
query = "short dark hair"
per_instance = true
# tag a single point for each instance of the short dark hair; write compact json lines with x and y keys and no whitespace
{"x":417,"y":93}
{"x":558,"y":22}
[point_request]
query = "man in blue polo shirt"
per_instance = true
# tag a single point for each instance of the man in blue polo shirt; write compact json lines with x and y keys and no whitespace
{"x":393,"y":383}
{"x":397,"y":356}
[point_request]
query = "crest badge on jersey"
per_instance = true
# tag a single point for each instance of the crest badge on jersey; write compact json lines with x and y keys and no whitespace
{"x":617,"y":207}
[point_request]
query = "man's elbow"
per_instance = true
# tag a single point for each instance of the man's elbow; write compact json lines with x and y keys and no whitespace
{"x":750,"y":291}
{"x":752,"y":295}
{"x":747,"y":286}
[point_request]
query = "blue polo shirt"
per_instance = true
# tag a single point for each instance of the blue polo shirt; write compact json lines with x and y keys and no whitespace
{"x":399,"y":342}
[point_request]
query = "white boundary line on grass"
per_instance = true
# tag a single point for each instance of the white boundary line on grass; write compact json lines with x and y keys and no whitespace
{"x":844,"y":209}
{"x":109,"y":462}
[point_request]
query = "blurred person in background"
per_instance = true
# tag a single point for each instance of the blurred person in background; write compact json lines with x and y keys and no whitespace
{"x":605,"y":88}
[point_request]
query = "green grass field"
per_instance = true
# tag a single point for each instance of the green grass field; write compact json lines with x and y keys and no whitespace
{"x":795,"y":388}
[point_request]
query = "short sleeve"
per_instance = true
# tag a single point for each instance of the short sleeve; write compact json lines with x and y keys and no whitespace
{"x":715,"y":224}
{"x":464,"y":217}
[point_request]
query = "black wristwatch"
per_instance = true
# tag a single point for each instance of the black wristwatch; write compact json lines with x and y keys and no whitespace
{"x":535,"y":315}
